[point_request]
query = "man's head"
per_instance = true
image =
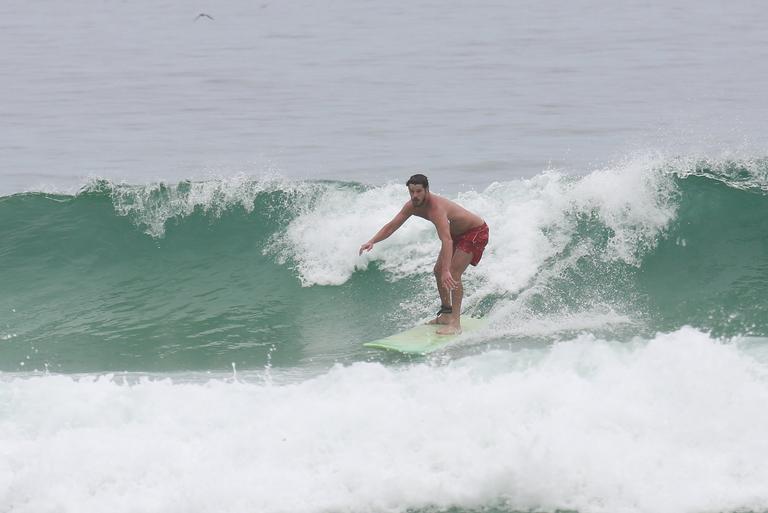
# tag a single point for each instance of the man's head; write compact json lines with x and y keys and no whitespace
{"x":418,"y":188}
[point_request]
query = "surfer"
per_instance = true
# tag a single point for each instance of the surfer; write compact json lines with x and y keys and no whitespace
{"x":463,"y":236}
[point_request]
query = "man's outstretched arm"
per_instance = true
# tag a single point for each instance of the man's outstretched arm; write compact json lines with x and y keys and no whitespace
{"x":387,"y":230}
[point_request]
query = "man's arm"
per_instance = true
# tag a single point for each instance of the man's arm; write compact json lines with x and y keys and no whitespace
{"x":388,"y":229}
{"x":446,"y":251}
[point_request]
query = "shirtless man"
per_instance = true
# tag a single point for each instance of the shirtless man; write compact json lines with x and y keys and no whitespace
{"x":463,"y":236}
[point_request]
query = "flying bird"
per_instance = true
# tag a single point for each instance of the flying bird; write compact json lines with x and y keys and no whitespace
{"x":203,"y":15}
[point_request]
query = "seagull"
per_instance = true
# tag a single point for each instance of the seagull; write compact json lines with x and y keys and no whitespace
{"x":203,"y":15}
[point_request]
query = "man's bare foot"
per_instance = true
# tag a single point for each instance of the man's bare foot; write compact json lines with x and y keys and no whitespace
{"x":449,"y":329}
{"x":441,"y":319}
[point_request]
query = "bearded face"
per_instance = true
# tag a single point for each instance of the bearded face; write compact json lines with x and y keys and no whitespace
{"x":418,"y":194}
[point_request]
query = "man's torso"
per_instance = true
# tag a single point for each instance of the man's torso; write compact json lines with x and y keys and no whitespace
{"x":459,"y":218}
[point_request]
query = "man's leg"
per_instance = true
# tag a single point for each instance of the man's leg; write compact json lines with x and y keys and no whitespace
{"x":459,"y":263}
{"x":445,"y":295}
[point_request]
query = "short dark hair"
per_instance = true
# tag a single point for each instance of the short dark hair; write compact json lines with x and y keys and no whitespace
{"x":418,"y":179}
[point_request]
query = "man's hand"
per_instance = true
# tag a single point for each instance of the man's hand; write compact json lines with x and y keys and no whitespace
{"x":448,"y":281}
{"x":365,"y":247}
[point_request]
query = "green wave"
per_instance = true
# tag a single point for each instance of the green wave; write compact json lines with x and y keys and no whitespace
{"x":711,"y":268}
{"x":163,"y":278}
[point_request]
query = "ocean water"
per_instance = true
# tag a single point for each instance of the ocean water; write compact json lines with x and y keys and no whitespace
{"x":183,"y":306}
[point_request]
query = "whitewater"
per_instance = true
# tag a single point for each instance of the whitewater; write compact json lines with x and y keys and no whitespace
{"x":663,"y":425}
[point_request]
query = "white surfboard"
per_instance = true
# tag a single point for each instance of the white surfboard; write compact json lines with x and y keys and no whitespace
{"x":423,"y":339}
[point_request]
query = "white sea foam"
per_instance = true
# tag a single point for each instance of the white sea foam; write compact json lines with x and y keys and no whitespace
{"x":531,"y":220}
{"x":534,"y":227}
{"x":151,"y":206}
{"x":324,"y":240}
{"x":675,"y":424}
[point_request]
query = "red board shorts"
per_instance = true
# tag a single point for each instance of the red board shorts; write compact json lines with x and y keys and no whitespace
{"x":472,"y":241}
